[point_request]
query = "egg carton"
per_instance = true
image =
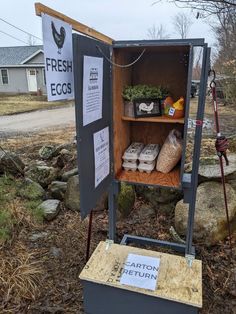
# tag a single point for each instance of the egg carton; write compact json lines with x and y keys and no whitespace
{"x":132,"y":153}
{"x":148,"y":168}
{"x":130,"y":166}
{"x":149,"y":153}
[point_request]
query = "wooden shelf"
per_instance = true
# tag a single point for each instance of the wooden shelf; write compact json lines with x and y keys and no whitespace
{"x":171,"y":179}
{"x":161,"y":119}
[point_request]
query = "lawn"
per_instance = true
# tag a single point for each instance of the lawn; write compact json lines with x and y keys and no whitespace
{"x":10,"y":104}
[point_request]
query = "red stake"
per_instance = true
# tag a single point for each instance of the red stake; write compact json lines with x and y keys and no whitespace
{"x":221,"y":148}
{"x":89,"y":235}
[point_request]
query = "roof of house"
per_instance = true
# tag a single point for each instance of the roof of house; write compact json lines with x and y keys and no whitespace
{"x":17,"y":55}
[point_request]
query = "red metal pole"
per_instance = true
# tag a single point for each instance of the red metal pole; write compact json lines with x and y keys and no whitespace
{"x":89,"y":235}
{"x":225,"y":199}
{"x":221,"y":147}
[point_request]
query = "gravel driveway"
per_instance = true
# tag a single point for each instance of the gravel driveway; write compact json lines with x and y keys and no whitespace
{"x":37,"y":120}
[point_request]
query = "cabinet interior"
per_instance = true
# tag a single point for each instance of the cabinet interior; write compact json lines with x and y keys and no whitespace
{"x":161,"y":65}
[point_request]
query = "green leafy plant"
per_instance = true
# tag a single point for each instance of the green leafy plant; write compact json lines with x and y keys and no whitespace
{"x":132,"y":93}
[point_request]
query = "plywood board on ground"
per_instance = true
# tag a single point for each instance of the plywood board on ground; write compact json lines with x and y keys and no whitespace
{"x":176,"y":281}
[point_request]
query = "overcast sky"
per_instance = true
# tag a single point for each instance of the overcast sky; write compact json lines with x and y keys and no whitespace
{"x":123,"y":19}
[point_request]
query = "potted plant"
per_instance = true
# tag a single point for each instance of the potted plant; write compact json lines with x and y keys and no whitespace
{"x":143,"y":100}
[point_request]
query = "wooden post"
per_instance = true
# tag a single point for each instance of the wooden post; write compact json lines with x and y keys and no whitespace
{"x":77,"y":26}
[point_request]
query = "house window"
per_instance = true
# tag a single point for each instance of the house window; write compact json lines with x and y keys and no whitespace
{"x":44,"y":77}
{"x":32,"y":72}
{"x":4,"y":76}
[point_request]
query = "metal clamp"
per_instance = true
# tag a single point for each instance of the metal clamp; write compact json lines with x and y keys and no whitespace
{"x":189,"y":259}
{"x":108,"y":244}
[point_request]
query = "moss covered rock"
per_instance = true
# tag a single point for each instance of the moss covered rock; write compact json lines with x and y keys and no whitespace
{"x":31,"y":190}
{"x":210,"y":224}
{"x":102,"y":203}
{"x":44,"y":175}
{"x":47,"y":152}
{"x":57,"y":189}
{"x":50,"y":209}
{"x":157,"y":196}
{"x":66,"y":175}
{"x":72,"y":195}
{"x":11,"y":163}
{"x":126,"y":200}
{"x":209,"y":168}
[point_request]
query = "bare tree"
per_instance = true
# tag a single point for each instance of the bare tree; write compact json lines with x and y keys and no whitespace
{"x":197,"y":63}
{"x":182,"y":23}
{"x":225,"y":33}
{"x":157,"y":32}
{"x":225,"y":62}
{"x":206,"y":7}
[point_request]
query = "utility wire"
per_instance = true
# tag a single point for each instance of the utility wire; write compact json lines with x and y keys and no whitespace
{"x":20,"y":29}
{"x":14,"y":37}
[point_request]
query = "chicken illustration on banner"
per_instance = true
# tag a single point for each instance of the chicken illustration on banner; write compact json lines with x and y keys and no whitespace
{"x":58,"y":56}
{"x":59,"y":38}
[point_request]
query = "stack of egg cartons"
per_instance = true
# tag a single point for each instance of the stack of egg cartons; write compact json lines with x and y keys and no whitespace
{"x":131,"y":156}
{"x":147,"y":158}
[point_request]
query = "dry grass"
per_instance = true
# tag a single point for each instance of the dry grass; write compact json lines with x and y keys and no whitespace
{"x":19,"y":273}
{"x":18,"y":217}
{"x":55,"y":136}
{"x":223,"y":110}
{"x":24,"y":103}
{"x":20,"y":276}
{"x":16,"y":213}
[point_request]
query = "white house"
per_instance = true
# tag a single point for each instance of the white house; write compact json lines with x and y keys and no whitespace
{"x":22,"y":69}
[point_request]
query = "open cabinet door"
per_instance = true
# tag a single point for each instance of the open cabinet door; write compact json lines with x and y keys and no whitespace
{"x":93,"y":108}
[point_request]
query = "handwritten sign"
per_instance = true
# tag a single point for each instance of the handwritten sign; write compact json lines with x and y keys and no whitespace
{"x":140,"y":271}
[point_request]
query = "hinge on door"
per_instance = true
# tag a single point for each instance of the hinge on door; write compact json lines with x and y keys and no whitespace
{"x":184,"y":59}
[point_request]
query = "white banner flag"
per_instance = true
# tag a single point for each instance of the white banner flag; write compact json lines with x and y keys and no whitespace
{"x":58,"y":57}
